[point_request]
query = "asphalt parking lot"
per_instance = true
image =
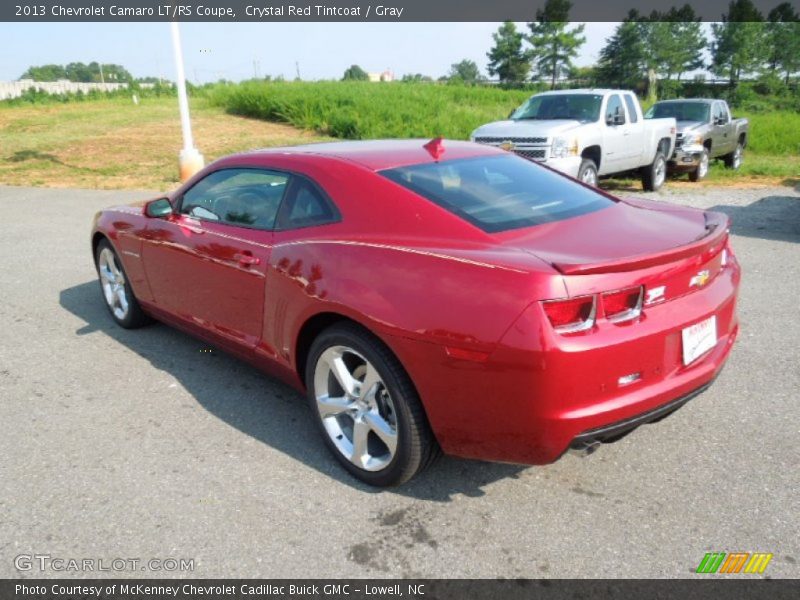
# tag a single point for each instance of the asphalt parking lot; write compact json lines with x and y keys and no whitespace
{"x":142,"y":444}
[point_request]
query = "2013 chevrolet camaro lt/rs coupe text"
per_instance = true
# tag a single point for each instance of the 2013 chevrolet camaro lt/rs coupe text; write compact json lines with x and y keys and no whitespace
{"x":439,"y":296}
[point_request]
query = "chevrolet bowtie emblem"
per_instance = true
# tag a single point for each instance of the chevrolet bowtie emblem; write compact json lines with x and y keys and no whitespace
{"x":508,"y":145}
{"x":700,"y":279}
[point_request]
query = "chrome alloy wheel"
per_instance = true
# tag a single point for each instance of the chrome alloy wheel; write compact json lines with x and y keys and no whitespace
{"x":356,"y":408}
{"x":589,"y":177}
{"x":660,"y":172}
{"x":702,"y":168}
{"x":737,"y":157}
{"x":113,"y":282}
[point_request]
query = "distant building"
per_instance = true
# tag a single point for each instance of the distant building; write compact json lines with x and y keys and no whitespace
{"x":14,"y":89}
{"x":387,"y":75}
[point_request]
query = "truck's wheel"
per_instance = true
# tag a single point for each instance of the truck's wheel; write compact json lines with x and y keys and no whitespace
{"x":654,"y":174}
{"x":702,"y":168}
{"x":735,"y":158}
{"x":587,"y":172}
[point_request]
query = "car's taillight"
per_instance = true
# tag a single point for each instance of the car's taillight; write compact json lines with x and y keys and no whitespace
{"x":623,"y":305}
{"x":571,"y":315}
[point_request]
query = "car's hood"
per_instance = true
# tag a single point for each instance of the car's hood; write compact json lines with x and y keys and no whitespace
{"x":525,"y":128}
{"x":687,"y":126}
{"x":628,"y":235}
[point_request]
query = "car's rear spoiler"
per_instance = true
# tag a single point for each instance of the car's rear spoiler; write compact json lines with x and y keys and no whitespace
{"x":708,"y":244}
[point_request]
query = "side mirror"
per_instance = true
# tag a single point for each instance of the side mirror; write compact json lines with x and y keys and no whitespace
{"x":619,"y":119}
{"x":158,"y":209}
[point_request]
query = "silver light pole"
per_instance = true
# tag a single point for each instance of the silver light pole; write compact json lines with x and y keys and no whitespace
{"x":190,"y":160}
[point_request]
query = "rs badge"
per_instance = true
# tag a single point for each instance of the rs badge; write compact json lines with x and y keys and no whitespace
{"x":655,"y":294}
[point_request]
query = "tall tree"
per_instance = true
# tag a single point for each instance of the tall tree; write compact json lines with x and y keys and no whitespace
{"x":783,"y":35}
{"x":677,"y":40}
{"x":738,"y":45}
{"x":45,"y":73}
{"x":622,"y":59}
{"x":355,"y":73}
{"x":79,"y":71}
{"x":507,"y":58}
{"x":466,"y":71}
{"x":554,"y":44}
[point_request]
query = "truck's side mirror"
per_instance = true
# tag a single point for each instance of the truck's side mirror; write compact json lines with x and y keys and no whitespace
{"x":158,"y":209}
{"x":619,"y":119}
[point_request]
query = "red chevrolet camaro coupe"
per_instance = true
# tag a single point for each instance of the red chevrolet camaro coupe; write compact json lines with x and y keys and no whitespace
{"x":434,"y":296}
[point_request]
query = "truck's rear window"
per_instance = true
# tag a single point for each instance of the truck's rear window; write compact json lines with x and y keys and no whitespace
{"x":497,"y":193}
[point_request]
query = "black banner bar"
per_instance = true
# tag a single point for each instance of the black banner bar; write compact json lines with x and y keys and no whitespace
{"x":391,"y":589}
{"x":342,"y":10}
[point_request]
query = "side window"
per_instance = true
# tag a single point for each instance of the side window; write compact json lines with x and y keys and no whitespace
{"x":241,"y":197}
{"x":615,"y":115}
{"x":305,"y":206}
{"x":631,"y":108}
{"x":720,"y":115}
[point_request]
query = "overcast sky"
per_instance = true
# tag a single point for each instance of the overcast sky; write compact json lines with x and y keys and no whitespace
{"x":216,"y":50}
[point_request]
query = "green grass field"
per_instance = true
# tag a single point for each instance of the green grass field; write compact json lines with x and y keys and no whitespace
{"x":357,"y":110}
{"x":360,"y":110}
{"x":112,"y":143}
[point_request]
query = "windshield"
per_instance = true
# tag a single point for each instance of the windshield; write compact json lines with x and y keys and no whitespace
{"x":497,"y":193}
{"x":680,"y":111}
{"x":578,"y":107}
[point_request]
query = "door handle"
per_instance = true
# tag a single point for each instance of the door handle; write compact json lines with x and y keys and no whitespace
{"x":192,"y":226}
{"x":246,"y":259}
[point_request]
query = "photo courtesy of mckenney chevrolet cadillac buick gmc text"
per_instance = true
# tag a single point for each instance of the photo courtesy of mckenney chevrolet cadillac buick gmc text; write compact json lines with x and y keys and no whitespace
{"x":440,"y":296}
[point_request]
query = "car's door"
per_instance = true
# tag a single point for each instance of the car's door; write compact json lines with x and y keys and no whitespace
{"x":633,"y":150}
{"x":721,"y":137}
{"x":615,"y":136}
{"x":207,"y":262}
{"x":307,"y":214}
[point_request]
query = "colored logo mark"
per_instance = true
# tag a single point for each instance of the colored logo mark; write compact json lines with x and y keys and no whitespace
{"x":734,"y":562}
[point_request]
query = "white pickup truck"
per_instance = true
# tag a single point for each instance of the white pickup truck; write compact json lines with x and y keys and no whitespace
{"x":587,"y":134}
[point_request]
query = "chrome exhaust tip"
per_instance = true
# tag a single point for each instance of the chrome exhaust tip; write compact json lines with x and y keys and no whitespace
{"x":583,"y":449}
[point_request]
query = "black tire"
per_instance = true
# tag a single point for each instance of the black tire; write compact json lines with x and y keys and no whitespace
{"x":700,"y":172}
{"x":734,"y":159}
{"x":587,"y":172}
{"x":655,"y":174}
{"x":134,"y":317}
{"x":416,"y":445}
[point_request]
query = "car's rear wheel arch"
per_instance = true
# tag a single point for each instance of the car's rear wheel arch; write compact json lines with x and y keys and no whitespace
{"x":318,"y":323}
{"x":308,"y":332}
{"x":417,"y":445}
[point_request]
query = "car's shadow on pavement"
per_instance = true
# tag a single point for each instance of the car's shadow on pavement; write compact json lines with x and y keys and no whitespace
{"x":249,"y":400}
{"x":768,"y":218}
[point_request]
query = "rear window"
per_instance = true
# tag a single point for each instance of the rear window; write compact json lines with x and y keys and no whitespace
{"x":497,"y":193}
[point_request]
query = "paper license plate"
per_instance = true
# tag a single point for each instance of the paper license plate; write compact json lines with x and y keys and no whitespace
{"x":699,"y":339}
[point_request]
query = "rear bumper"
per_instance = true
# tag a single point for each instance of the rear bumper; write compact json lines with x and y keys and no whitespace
{"x":539,"y":393}
{"x":613,"y":431}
